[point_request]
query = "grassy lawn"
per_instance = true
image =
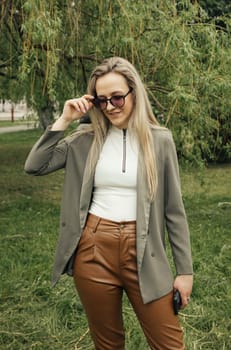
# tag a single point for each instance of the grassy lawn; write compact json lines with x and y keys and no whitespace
{"x":34,"y":316}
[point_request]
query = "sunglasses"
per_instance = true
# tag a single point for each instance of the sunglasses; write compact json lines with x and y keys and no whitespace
{"x":117,"y":101}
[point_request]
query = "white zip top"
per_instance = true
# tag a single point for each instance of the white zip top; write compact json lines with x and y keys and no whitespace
{"x":114,"y":194}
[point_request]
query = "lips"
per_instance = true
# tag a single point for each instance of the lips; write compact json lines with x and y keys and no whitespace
{"x":114,"y":114}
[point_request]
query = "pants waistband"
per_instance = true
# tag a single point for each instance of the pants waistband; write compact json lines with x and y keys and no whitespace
{"x":94,"y":221}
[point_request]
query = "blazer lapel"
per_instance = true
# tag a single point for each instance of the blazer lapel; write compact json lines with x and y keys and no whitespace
{"x":86,"y":193}
{"x":143,"y":208}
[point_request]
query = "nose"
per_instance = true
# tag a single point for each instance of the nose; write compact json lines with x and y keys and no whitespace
{"x":109,"y":106}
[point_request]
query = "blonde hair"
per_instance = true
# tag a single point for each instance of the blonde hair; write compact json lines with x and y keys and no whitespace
{"x":141,"y":121}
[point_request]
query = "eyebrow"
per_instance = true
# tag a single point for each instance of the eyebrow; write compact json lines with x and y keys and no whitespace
{"x":118,"y":93}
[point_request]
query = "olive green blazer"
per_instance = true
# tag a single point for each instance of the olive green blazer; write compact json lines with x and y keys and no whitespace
{"x":52,"y":152}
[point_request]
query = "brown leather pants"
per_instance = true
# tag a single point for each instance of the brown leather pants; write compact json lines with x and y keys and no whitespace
{"x":104,"y":266}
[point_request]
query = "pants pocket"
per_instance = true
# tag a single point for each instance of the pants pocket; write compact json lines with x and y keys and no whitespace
{"x":87,"y":242}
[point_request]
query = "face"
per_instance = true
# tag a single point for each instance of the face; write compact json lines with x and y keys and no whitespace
{"x":114,"y":84}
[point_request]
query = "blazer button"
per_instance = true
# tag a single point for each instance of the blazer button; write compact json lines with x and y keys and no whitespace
{"x":152,"y":254}
{"x":63,"y":224}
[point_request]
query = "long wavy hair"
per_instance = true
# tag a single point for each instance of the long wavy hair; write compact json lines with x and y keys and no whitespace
{"x":141,"y":122}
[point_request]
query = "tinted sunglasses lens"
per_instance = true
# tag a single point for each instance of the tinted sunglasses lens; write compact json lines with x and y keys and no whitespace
{"x":103,"y":104}
{"x":100,"y":104}
{"x":117,"y":101}
{"x":95,"y":102}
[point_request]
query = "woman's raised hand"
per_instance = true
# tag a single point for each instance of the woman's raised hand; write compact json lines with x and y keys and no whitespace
{"x":73,"y":109}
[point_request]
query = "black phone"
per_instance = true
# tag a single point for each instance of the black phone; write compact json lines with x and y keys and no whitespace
{"x":176,"y":302}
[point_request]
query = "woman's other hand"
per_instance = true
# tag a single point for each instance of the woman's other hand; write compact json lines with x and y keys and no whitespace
{"x":184,"y":285}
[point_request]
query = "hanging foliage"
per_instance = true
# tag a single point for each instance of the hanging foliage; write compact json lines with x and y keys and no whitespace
{"x":182,"y":53}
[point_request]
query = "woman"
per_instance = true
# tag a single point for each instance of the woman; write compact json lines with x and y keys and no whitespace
{"x":121,"y":189}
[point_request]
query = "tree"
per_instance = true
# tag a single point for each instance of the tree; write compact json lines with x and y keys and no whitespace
{"x":216,"y":8}
{"x":181,"y":53}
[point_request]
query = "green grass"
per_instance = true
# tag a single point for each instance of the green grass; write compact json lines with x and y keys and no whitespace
{"x":34,"y":316}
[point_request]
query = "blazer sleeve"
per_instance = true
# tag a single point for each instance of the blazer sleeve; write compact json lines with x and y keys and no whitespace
{"x":47,"y":155}
{"x":175,"y":216}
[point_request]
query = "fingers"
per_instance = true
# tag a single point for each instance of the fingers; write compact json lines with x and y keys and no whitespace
{"x":77,"y":107}
{"x":185,"y":300}
{"x":81,"y":104}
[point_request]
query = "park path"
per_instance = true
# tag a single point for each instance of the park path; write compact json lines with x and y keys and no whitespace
{"x":20,"y":113}
{"x":14,"y":128}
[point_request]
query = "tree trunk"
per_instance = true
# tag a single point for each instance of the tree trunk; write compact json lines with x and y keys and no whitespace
{"x":46,"y":116}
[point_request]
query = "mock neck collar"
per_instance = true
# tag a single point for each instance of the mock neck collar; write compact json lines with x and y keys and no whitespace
{"x":116,"y":130}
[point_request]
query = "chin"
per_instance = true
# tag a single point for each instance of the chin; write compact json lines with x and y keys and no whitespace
{"x":119,"y":125}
